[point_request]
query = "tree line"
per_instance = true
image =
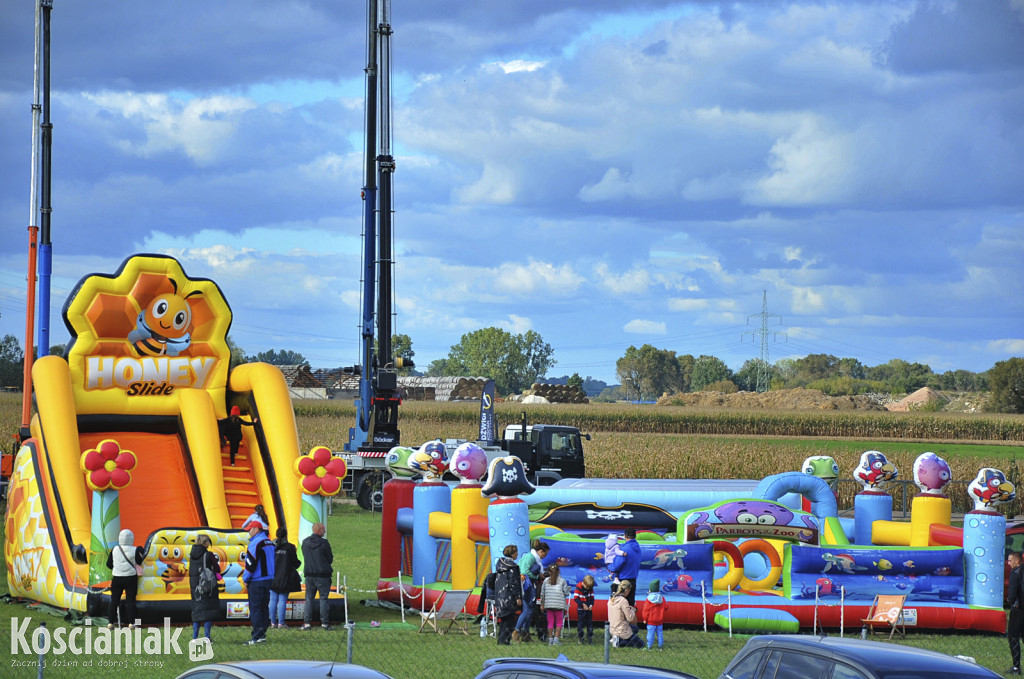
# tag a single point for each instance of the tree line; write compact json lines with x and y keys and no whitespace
{"x":515,"y":361}
{"x":648,"y":373}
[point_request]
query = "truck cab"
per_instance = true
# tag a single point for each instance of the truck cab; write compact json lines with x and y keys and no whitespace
{"x":550,"y":452}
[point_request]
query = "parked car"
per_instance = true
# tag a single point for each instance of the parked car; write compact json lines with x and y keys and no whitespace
{"x":281,"y":669}
{"x":562,"y":668}
{"x":793,"y":656}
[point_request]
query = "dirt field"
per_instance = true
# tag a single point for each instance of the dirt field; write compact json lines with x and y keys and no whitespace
{"x":812,"y":399}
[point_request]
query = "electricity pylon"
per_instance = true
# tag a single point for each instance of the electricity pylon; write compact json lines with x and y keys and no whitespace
{"x":763,"y":368}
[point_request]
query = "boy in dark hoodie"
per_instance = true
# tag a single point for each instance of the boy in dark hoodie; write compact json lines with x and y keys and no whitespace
{"x":317,"y":559}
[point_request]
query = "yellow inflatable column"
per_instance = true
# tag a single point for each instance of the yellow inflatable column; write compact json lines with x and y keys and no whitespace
{"x":924,"y":511}
{"x":466,"y":500}
{"x":58,"y":420}
{"x":277,"y":420}
{"x":200,"y":424}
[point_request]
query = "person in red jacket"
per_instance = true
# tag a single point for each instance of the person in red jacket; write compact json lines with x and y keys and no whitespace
{"x":654,"y":614}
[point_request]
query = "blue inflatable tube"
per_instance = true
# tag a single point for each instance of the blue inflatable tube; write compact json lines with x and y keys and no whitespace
{"x":672,"y":495}
{"x":823,"y":500}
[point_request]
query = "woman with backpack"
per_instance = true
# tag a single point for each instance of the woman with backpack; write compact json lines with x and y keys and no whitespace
{"x":286,"y":577}
{"x":204,"y":586}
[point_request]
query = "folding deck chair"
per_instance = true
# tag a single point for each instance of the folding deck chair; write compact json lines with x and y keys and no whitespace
{"x":451,"y":604}
{"x":887,"y":611}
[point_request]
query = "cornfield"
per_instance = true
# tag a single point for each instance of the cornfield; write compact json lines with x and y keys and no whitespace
{"x":456,"y":420}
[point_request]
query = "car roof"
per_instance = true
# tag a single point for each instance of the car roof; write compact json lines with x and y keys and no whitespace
{"x":291,"y":669}
{"x":587,"y":669}
{"x":874,"y":655}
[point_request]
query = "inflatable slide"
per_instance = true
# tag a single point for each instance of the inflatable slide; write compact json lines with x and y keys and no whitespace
{"x":128,"y":434}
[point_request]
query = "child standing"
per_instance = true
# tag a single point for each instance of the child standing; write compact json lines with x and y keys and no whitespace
{"x":584,"y":598}
{"x":553,"y":595}
{"x":654,"y":614}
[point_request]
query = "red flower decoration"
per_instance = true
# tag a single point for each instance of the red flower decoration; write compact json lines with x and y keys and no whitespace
{"x":321,"y":472}
{"x":107,"y":466}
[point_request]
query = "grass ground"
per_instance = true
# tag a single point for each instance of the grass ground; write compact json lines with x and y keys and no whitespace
{"x":403,"y":652}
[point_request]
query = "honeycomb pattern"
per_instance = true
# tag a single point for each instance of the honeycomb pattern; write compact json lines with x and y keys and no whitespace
{"x":30,"y":557}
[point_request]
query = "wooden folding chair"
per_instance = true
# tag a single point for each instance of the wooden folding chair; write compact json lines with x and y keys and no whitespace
{"x":451,"y":604}
{"x":887,"y":611}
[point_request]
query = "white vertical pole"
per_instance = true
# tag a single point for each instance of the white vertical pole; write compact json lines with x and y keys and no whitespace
{"x":842,"y":609}
{"x":817,"y":589}
{"x":704,"y":605}
{"x":729,"y":591}
{"x":401,"y":595}
{"x":346,"y":600}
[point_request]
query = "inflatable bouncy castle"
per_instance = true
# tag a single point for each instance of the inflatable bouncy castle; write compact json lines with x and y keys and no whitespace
{"x":128,"y":435}
{"x":741,"y":553}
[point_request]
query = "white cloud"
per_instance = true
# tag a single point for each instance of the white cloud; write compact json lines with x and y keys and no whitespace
{"x":641,"y":327}
{"x":1013,"y":347}
{"x":200,"y":128}
{"x":518,"y":65}
{"x":809,"y":166}
{"x":632,"y":282}
{"x":677,"y":304}
{"x":807,"y":301}
{"x":537,"y":277}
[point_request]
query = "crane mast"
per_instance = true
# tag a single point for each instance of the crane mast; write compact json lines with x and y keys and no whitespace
{"x":376,"y":427}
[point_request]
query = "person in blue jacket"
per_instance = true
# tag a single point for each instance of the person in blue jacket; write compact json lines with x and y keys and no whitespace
{"x":258,"y":576}
{"x":627,"y":564}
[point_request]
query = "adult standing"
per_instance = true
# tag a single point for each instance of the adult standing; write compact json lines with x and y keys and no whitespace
{"x":622,"y":618}
{"x":258,"y":576}
{"x":317,"y":560}
{"x":286,"y":577}
{"x":125,"y":564}
{"x":627,"y":564}
{"x":531,"y":567}
{"x":508,"y":593}
{"x":205,"y":604}
{"x":1015,"y":602}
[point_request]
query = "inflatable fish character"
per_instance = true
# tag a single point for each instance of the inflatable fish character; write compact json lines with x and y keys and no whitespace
{"x":843,"y":563}
{"x":931,"y":474}
{"x":874,"y":470}
{"x":822,"y":466}
{"x":990,"y":488}
{"x":882,"y":564}
{"x":506,"y":477}
{"x":397,"y":461}
{"x":469,"y":463}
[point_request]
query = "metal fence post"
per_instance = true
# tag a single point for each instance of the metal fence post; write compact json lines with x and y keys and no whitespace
{"x":349,"y":627}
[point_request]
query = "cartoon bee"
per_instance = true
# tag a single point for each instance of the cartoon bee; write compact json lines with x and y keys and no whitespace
{"x":171,"y":566}
{"x":162,"y":328}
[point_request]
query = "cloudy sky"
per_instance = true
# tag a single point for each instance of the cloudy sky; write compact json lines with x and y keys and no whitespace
{"x":605,"y":173}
